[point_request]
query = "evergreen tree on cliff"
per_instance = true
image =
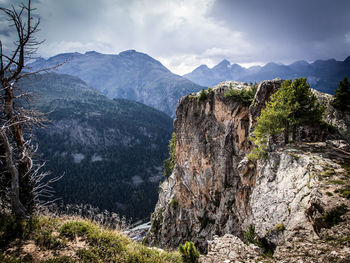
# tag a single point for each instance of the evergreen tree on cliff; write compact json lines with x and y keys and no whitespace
{"x":342,"y":95}
{"x":290,"y":107}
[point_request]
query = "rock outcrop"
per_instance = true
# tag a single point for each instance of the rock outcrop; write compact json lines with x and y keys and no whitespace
{"x":215,"y":190}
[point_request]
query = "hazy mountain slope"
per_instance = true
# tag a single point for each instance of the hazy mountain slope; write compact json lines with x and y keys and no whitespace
{"x":323,"y":75}
{"x":130,"y":75}
{"x":110,"y":151}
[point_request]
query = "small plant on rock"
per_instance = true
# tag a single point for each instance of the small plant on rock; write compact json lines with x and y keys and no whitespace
{"x":203,"y":95}
{"x":245,"y":96}
{"x":174,"y":204}
{"x":250,"y":235}
{"x":280,"y":227}
{"x":189,"y":253}
{"x":168,"y":165}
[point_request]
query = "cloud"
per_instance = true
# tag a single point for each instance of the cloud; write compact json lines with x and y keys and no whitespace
{"x":184,"y":34}
{"x":291,"y":29}
{"x":166,"y":30}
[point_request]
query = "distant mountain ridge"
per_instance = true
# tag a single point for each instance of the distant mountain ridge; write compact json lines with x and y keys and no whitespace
{"x":110,"y":152}
{"x":323,"y":75}
{"x":129,"y":75}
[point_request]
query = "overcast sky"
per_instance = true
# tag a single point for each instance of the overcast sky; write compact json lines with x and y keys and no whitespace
{"x":184,"y":34}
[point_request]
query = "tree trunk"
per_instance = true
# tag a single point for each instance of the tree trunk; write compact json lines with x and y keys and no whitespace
{"x":20,"y":171}
{"x":17,"y":208}
{"x":294,"y":132}
{"x":286,"y":134}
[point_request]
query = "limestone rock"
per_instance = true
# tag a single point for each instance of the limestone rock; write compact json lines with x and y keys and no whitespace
{"x":214,"y":190}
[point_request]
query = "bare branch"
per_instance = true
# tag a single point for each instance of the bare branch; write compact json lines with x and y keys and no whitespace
{"x":16,"y":150}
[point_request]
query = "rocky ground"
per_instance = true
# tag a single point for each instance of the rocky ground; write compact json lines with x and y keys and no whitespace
{"x":329,"y":240}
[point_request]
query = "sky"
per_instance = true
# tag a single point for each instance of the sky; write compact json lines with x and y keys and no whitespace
{"x":183,"y":34}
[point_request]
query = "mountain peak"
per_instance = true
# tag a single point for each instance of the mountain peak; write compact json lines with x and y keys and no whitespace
{"x":203,"y":66}
{"x":224,"y":62}
{"x":347,"y":60}
{"x":128,"y":52}
{"x":92,"y":53}
{"x":300,"y":63}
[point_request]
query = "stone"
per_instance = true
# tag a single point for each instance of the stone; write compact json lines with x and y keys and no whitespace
{"x":220,"y":192}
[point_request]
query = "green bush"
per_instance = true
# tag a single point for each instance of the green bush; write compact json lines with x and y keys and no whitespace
{"x":189,"y":253}
{"x":168,"y":165}
{"x":76,"y":228}
{"x":246,"y":96}
{"x":250,"y":235}
{"x":45,"y":239}
{"x":345,"y":192}
{"x":280,"y":227}
{"x":174,"y":204}
{"x":203,"y":95}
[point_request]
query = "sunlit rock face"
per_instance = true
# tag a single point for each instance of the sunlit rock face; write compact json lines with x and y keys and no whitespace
{"x":214,"y":190}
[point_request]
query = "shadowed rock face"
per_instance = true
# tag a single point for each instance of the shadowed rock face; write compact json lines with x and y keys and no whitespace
{"x":215,"y":190}
{"x":211,"y":189}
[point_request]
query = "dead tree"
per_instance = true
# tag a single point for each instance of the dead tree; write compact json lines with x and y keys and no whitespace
{"x":20,"y":180}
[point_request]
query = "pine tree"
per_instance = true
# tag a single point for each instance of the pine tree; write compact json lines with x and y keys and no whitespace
{"x":342,"y":95}
{"x":291,"y":106}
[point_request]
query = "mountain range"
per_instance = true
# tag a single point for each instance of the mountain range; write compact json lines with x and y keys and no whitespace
{"x":129,"y":75}
{"x":109,"y":151}
{"x":100,"y":136}
{"x":323,"y":75}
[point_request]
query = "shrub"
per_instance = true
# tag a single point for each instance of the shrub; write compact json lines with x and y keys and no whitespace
{"x":45,"y":239}
{"x":280,"y":227}
{"x":168,"y":165}
{"x":189,"y":253}
{"x":75,"y":228}
{"x":174,"y":204}
{"x":250,"y":235}
{"x":345,"y":192}
{"x":203,"y":95}
{"x":246,"y":96}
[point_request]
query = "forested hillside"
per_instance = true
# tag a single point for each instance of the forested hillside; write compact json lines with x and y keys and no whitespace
{"x":110,"y":152}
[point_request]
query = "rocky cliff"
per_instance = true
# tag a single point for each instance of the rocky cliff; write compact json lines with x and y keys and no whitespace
{"x":298,"y":193}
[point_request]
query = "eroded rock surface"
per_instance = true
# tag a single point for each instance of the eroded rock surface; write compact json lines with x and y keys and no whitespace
{"x":214,"y":190}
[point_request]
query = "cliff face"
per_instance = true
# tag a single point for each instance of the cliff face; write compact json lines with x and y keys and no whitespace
{"x":214,"y":190}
